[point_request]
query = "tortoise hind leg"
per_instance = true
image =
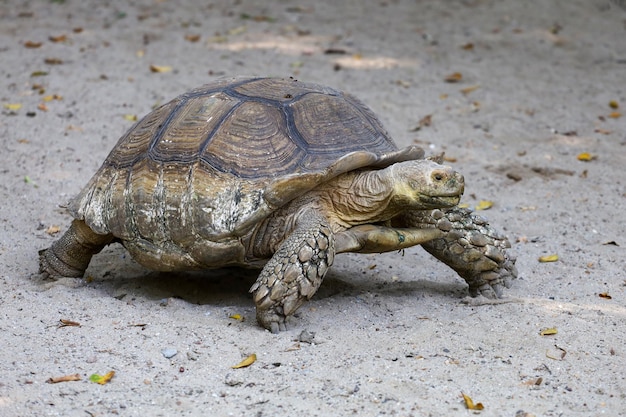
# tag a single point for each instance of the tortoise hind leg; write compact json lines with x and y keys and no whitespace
{"x":295,"y":272}
{"x":70,"y":255}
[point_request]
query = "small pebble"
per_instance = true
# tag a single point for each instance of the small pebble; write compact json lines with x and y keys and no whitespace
{"x":169,"y":352}
{"x":306,"y":336}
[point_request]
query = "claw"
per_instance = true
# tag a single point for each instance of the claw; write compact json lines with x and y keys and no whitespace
{"x":272,"y":320}
{"x":274,"y":327}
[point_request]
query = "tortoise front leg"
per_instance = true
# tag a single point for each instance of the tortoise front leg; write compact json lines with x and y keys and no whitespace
{"x":369,"y":238}
{"x":70,"y":255}
{"x":295,"y":272}
{"x":470,"y":246}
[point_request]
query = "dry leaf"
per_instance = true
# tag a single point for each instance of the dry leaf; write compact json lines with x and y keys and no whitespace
{"x":12,"y":106}
{"x":295,"y":346}
{"x":470,"y":89}
{"x":130,"y":117}
{"x":53,"y":230}
{"x":53,"y":61}
{"x":548,"y":331}
{"x":468,"y":46}
{"x":562,"y":356}
{"x":614,"y":104}
{"x":192,"y":38}
{"x":160,"y":68}
{"x":31,"y":44}
{"x":426,"y":120}
{"x":64,"y":378}
{"x":66,"y":323}
{"x":549,"y":258}
{"x":51,"y":97}
{"x":246,"y":362}
{"x":484,"y":205}
{"x":237,"y":31}
{"x":470,"y":404}
{"x":605,"y":295}
{"x":102,"y":379}
{"x":455,"y":77}
{"x":615,"y":115}
{"x":42,"y":107}
{"x":585,"y":156}
{"x":603,"y":131}
{"x":237,"y":317}
{"x":533,"y":382}
{"x":60,"y":38}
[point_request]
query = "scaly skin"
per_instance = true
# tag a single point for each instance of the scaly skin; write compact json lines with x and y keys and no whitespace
{"x":470,"y":246}
{"x":295,"y":272}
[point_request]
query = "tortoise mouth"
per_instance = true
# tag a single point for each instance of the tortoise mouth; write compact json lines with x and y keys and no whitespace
{"x":440,"y":201}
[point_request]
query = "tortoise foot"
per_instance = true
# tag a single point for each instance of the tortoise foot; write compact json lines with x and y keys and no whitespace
{"x":272,"y":319}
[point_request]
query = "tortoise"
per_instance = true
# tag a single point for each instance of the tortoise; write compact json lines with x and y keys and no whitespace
{"x":276,"y":174}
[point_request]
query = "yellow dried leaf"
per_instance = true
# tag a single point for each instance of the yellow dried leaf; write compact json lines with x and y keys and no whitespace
{"x":614,"y":104}
{"x":464,"y":205}
{"x":51,"y":97}
{"x":238,"y":317}
{"x":585,"y":156}
{"x":130,"y":117}
{"x":455,"y":77}
{"x":160,"y":68}
{"x":238,"y":30}
{"x":470,"y":404}
{"x":12,"y":106}
{"x":548,"y":332}
{"x":470,"y":89}
{"x":102,"y":379}
{"x":549,"y":258}
{"x":53,"y":229}
{"x":42,"y":107}
{"x":484,"y":205}
{"x":615,"y":115}
{"x":246,"y":362}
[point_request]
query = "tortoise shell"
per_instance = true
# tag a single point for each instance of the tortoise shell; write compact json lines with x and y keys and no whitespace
{"x":214,"y":161}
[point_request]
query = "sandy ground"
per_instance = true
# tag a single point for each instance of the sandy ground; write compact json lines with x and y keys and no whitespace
{"x":392,"y":335}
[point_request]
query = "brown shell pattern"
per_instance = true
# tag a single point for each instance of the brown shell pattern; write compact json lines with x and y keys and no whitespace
{"x":254,"y":128}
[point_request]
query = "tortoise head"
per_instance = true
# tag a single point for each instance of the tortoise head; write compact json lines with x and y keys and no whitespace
{"x":424,"y":184}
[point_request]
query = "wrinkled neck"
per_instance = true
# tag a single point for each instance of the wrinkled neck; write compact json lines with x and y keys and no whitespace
{"x":361,"y":197}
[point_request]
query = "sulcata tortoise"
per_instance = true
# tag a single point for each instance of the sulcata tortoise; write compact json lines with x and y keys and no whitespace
{"x":278,"y":174}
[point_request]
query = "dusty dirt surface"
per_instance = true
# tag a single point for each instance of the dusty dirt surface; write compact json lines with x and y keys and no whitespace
{"x":539,"y":83}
